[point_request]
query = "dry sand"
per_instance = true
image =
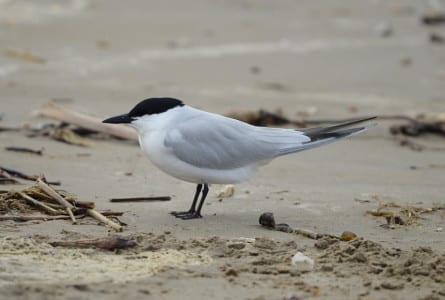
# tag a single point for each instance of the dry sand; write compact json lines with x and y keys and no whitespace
{"x":307,"y":56}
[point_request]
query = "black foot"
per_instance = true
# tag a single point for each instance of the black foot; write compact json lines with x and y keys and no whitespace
{"x":186,"y":215}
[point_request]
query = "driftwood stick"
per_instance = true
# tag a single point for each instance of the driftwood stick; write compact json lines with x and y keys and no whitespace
{"x":82,"y":211}
{"x":307,"y":233}
{"x":109,"y":243}
{"x":35,"y":218}
{"x":24,"y":150}
{"x":312,"y":234}
{"x":100,"y":217}
{"x":21,"y":175}
{"x":50,"y":191}
{"x":42,"y":205}
{"x":54,"y":111}
{"x":141,"y":199}
{"x":70,"y":213}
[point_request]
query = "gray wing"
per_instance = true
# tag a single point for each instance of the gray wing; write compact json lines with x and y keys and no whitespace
{"x":216,"y":142}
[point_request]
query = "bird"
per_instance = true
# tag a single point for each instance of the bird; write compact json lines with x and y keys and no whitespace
{"x":205,"y":148}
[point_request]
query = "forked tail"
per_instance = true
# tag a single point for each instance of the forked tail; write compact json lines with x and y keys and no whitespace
{"x":324,"y":135}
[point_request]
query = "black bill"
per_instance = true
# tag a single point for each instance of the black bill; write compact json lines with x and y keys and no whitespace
{"x":125,"y":118}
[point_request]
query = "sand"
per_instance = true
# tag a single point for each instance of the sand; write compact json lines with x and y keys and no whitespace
{"x":328,"y":60}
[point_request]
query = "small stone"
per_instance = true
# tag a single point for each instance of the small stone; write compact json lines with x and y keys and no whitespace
{"x":226,"y":191}
{"x":359,"y":257}
{"x":384,"y":29}
{"x":392,"y":286}
{"x":235,"y":245}
{"x":327,"y":268}
{"x":436,"y":38}
{"x":144,"y":291}
{"x":255,"y":70}
{"x":406,"y":61}
{"x":348,"y":236}
{"x":302,"y":262}
{"x":267,"y":220}
{"x":231,"y":272}
{"x":81,"y":287}
{"x":321,"y":244}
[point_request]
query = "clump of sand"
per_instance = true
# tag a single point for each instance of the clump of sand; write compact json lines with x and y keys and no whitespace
{"x":29,"y":260}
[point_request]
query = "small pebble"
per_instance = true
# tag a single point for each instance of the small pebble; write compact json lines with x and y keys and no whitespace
{"x":302,"y":262}
{"x":392,"y":286}
{"x":384,"y":29}
{"x":436,"y":38}
{"x":267,"y":220}
{"x":321,"y":244}
{"x":348,"y":236}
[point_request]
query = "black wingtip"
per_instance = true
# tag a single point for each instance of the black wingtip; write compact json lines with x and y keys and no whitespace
{"x":336,"y":130}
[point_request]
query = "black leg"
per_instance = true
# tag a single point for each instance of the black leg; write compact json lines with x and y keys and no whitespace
{"x":197,"y":213}
{"x":192,"y":209}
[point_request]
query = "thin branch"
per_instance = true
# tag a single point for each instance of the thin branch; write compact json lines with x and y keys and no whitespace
{"x":51,"y":192}
{"x":141,"y":199}
{"x":45,"y":207}
{"x":100,"y":217}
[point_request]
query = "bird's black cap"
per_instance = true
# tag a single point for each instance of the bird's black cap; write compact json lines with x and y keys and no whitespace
{"x":146,"y":107}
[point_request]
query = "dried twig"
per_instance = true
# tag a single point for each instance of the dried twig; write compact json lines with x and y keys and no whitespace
{"x":50,"y":191}
{"x":141,"y":199}
{"x":82,"y":211}
{"x":5,"y":180}
{"x":22,"y":175}
{"x":308,"y":233}
{"x":24,"y":150}
{"x":109,"y":243}
{"x":100,"y":217}
{"x":54,"y":111}
{"x":45,"y":207}
{"x":5,"y":128}
{"x":35,"y":218}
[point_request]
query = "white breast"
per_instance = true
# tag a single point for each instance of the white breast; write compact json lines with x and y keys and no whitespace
{"x":152,"y":131}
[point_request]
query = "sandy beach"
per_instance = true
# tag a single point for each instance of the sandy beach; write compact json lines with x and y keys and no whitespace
{"x":321,"y":60}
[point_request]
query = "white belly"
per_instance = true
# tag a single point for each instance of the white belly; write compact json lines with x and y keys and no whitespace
{"x":164,"y":159}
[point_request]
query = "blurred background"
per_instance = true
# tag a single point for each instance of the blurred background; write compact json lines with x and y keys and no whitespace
{"x":340,"y":58}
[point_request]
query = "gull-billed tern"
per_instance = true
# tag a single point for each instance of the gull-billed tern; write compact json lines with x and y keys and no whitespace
{"x":206,"y":148}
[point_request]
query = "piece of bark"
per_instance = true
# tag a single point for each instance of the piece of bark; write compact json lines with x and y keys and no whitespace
{"x":83,"y":204}
{"x":100,"y":217}
{"x":54,"y":111}
{"x":141,"y":199}
{"x":111,"y":243}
